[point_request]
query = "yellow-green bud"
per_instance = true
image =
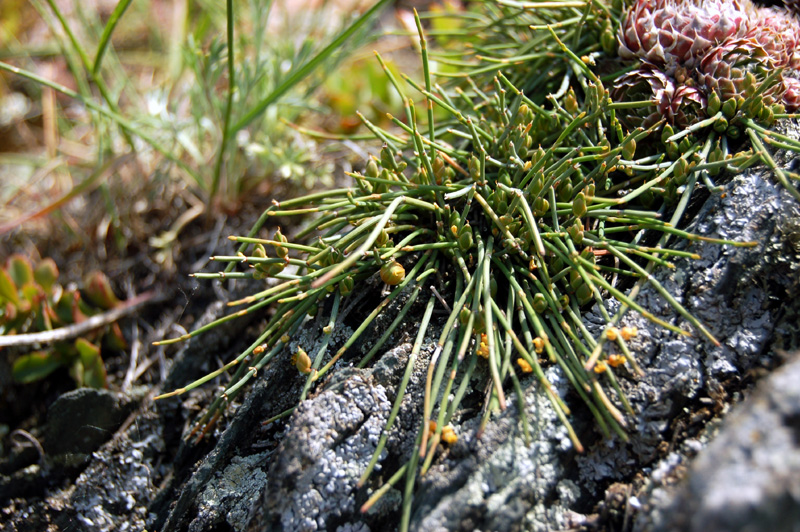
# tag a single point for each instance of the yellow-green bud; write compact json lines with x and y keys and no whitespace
{"x":372,"y":169}
{"x":666,"y":133}
{"x":576,"y":232}
{"x":346,"y":285}
{"x":584,"y":294}
{"x":283,"y":240}
{"x":464,"y":315}
{"x":729,"y":108}
{"x":275,"y":269}
{"x":387,"y":158}
{"x":302,"y":361}
{"x":767,"y":116}
{"x":539,"y":303}
{"x":392,"y":273}
{"x":571,"y":102}
{"x":714,"y":103}
{"x":541,"y":206}
{"x":465,"y":240}
{"x":565,"y":190}
{"x":579,"y":204}
{"x":629,"y":149}
{"x":383,"y":238}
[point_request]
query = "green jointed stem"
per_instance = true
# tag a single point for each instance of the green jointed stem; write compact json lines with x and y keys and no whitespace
{"x":423,"y":327}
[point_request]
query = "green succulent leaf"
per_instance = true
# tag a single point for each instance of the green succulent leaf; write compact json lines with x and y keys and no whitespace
{"x":93,"y":371}
{"x":19,"y":267}
{"x":98,"y":290}
{"x":8,"y":290}
{"x":35,"y":366}
{"x":46,"y":274}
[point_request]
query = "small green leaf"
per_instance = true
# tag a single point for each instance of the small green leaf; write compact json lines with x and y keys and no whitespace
{"x":46,"y":274}
{"x":8,"y":290}
{"x":19,"y":267}
{"x":32,"y":293}
{"x":94,"y":371}
{"x":114,"y":339}
{"x":35,"y":366}
{"x":63,"y":308}
{"x":41,"y":315}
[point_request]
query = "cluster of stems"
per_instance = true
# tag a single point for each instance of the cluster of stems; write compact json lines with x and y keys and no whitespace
{"x":520,"y":205}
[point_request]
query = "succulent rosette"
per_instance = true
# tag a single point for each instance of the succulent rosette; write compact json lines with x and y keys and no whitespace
{"x":778,"y":33}
{"x":647,"y":82}
{"x":691,"y":48}
{"x":670,"y":33}
{"x":680,"y":104}
{"x":791,"y":94}
{"x":724,"y":68}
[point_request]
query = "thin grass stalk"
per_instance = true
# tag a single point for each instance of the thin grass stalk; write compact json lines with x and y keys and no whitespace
{"x":229,"y":16}
{"x":108,"y":31}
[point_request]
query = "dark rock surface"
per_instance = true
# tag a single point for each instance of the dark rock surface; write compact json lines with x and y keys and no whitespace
{"x":83,"y":419}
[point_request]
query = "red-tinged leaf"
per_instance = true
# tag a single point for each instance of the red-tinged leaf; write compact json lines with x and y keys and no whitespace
{"x":114,"y":339}
{"x":32,"y":293}
{"x":98,"y":290}
{"x":42,"y":316}
{"x":63,"y":308}
{"x":52,"y":316}
{"x":46,"y":274}
{"x":78,"y":315}
{"x":9,"y":312}
{"x":35,"y":366}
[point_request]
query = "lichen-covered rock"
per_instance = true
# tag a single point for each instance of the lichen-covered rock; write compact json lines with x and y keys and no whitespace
{"x":230,"y":495}
{"x":328,"y":444}
{"x":114,"y":491}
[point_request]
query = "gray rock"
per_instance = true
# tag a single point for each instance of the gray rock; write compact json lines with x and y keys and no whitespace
{"x":231,"y":494}
{"x":748,"y":478}
{"x":328,"y":444}
{"x":113,"y":493}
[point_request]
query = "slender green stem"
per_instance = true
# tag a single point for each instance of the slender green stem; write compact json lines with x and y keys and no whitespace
{"x":212,"y":193}
{"x":108,"y":31}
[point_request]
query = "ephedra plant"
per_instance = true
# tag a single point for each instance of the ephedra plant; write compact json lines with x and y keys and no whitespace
{"x":545,"y":168}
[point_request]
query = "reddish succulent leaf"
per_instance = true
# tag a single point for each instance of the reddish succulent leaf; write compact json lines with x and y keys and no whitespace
{"x":78,"y":313}
{"x":63,"y":308}
{"x":32,"y":293}
{"x":114,"y":339}
{"x":98,"y":290}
